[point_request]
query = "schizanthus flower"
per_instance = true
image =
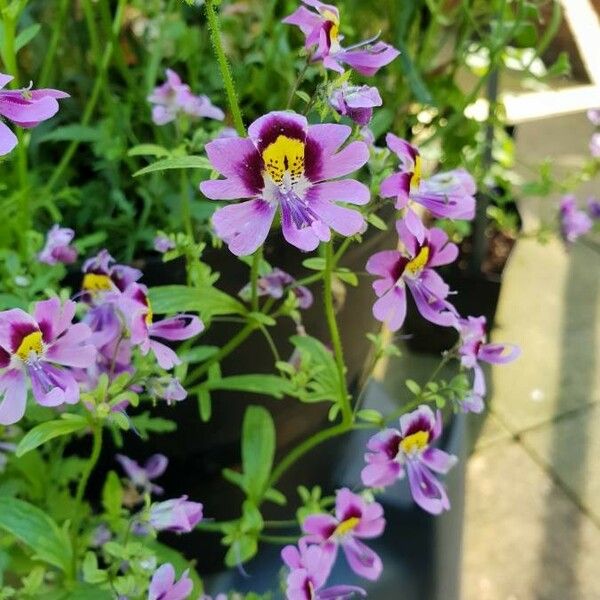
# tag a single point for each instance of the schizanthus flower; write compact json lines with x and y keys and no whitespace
{"x":25,"y":108}
{"x":594,"y":209}
{"x":285,"y":165}
{"x":321,"y":29}
{"x":178,"y":515}
{"x":175,"y":97}
{"x":39,"y":347}
{"x":142,"y":477}
{"x":573,"y":222}
{"x":164,"y":587}
{"x":473,"y":349}
{"x":163,"y":244}
{"x":356,"y":102}
{"x":449,"y":194}
{"x":135,"y":307}
{"x":57,"y":248}
{"x":409,"y":449}
{"x":354,"y":520}
{"x":310,"y":566}
{"x":413,"y":269}
{"x":273,"y":284}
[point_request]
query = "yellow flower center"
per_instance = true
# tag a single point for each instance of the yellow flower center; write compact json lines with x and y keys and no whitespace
{"x":415,"y":441}
{"x":415,"y":180}
{"x":30,"y":343}
{"x":284,"y":156}
{"x":149,"y":315}
{"x":417,"y":264}
{"x":93,"y":282}
{"x":346,"y":526}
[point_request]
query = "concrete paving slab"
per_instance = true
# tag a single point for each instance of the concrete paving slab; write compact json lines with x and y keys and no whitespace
{"x":524,"y":538}
{"x":549,"y":306}
{"x":570,"y":448}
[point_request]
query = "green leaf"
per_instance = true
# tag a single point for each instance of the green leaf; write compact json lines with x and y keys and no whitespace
{"x":347,"y":277}
{"x":370,"y":415}
{"x":44,"y":432}
{"x":204,"y":404}
{"x":144,"y":424}
{"x":271,"y":385}
{"x":148,"y":150}
{"x":37,"y":530}
{"x":197,"y":354}
{"x":315,"y":264}
{"x":258,"y":450}
{"x":207,"y":301}
{"x":26,"y":36}
{"x":112,"y":494}
{"x":179,"y":162}
{"x":377,"y":222}
{"x":72,"y":133}
{"x":241,"y":550}
{"x":413,"y":386}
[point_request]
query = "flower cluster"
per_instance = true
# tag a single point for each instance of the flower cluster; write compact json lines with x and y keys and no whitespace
{"x":574,"y":222}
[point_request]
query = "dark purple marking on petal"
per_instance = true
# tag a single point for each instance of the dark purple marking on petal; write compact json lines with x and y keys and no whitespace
{"x":313,"y":159}
{"x":279,"y":125}
{"x":17,"y":332}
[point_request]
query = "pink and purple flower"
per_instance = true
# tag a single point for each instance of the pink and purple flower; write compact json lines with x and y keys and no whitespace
{"x":178,"y":515}
{"x":164,"y":587}
{"x":26,"y":108}
{"x":286,"y":165}
{"x":354,"y":520}
{"x":574,"y":222}
{"x":355,"y":102}
{"x":310,"y":567}
{"x":135,"y":307}
{"x":142,"y":477}
{"x":42,"y":348}
{"x":57,"y":248}
{"x":474,"y":348}
{"x":175,"y":97}
{"x":394,"y":452}
{"x":413,"y":269}
{"x":321,"y":29}
{"x":275,"y":283}
{"x":446,"y":195}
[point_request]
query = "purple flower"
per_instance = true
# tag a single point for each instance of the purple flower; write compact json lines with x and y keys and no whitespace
{"x":310,"y":566}
{"x":135,"y":307}
{"x":356,"y":102}
{"x":413,"y":269}
{"x":25,"y":108}
{"x":101,"y":274}
{"x":275,"y":283}
{"x":166,"y":388}
{"x":163,"y":586}
{"x":57,"y":248}
{"x":163,"y":244}
{"x":573,"y":222}
{"x":286,"y":164}
{"x":354,"y":520}
{"x":594,"y":116}
{"x":141,"y":477}
{"x":595,"y":145}
{"x":474,"y":348}
{"x":39,"y":347}
{"x":449,"y":194}
{"x":594,"y":208}
{"x":321,"y":30}
{"x":174,"y":97}
{"x":178,"y":515}
{"x":394,"y":451}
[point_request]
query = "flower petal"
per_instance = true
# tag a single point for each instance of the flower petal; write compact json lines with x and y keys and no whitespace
{"x":13,"y":392}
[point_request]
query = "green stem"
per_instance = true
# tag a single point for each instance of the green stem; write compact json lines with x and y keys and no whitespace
{"x":215,"y":37}
{"x":281,"y":540}
{"x":93,"y":99}
{"x":297,"y":83}
{"x":256,"y":258}
{"x":87,"y":471}
{"x":186,"y":214}
{"x":57,"y":35}
{"x":335,"y":333}
{"x":227,"y":349}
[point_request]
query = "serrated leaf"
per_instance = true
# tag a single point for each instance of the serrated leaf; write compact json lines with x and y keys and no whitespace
{"x":45,"y":432}
{"x":179,"y":162}
{"x":37,"y":530}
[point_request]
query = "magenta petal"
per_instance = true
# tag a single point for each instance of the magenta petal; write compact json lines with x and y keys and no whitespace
{"x":269,"y":127}
{"x":384,"y":264}
{"x":381,"y":474}
{"x":438,"y":460}
{"x":407,"y":153}
{"x":8,"y":140}
{"x":362,"y":560}
{"x":13,"y":394}
{"x":348,"y":160}
{"x":344,"y":190}
{"x":368,"y":61}
{"x":19,"y":110}
{"x":328,"y":136}
{"x":426,"y":490}
{"x":305,"y":238}
{"x":319,"y":525}
{"x":68,"y":350}
{"x":498,"y":354}
{"x":5,"y":79}
{"x":165,"y":357}
{"x":56,"y":316}
{"x":391,"y":308}
{"x":180,"y":327}
{"x":245,"y":226}
{"x":345,"y":221}
{"x":162,"y":581}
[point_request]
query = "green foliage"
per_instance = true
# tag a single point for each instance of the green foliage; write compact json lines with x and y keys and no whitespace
{"x":51,"y":429}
